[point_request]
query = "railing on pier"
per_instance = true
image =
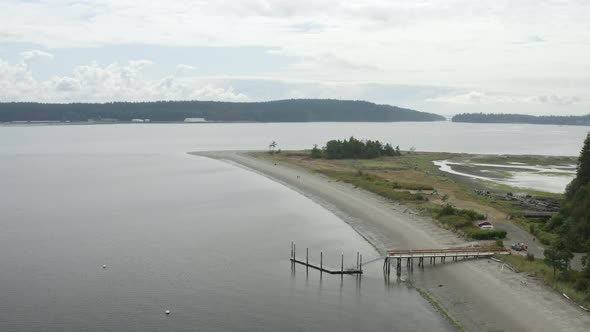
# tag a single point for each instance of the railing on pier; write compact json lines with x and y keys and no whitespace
{"x":469,"y":251}
{"x":433,"y":254}
{"x":399,"y":255}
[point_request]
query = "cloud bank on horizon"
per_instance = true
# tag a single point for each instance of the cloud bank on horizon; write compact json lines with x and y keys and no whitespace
{"x":445,"y":57}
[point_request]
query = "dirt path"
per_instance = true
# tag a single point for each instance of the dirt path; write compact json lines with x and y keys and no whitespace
{"x":483,"y":296}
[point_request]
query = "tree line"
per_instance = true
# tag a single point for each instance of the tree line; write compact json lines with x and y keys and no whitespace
{"x":354,"y":149}
{"x":292,"y":110}
{"x":583,"y":120}
{"x":572,"y":224}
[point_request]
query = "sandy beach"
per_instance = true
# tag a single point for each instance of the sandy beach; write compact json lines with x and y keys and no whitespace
{"x":481,"y":295}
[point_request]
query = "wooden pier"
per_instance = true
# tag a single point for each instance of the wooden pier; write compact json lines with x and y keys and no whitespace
{"x":357,"y":270}
{"x":398,"y":255}
{"x":433,"y":254}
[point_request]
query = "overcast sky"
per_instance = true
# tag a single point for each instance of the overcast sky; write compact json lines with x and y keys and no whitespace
{"x":442,"y":56}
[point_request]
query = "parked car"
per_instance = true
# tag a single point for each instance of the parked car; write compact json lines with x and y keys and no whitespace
{"x":519,"y":246}
{"x":490,"y":226}
{"x":481,"y":223}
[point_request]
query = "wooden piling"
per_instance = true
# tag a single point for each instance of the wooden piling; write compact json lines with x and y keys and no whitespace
{"x":361,"y":264}
{"x":320,"y":267}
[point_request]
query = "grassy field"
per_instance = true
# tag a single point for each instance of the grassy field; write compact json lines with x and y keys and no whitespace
{"x":412,"y":178}
{"x":571,"y":284}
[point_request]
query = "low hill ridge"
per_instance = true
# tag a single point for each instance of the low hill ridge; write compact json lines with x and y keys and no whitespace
{"x":291,"y":110}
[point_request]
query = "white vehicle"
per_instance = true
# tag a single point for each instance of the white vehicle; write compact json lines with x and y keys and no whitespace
{"x":486,"y":227}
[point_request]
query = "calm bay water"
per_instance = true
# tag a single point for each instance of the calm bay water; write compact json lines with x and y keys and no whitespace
{"x":205,"y":239}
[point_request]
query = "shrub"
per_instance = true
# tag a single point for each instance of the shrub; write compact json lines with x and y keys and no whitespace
{"x":530,"y":257}
{"x":555,"y":222}
{"x":487,"y":234}
{"x":455,"y":221}
{"x":474,"y":215}
{"x":315,"y":152}
{"x":463,"y":220}
{"x":449,"y":210}
{"x":411,"y":186}
{"x":580,"y":283}
{"x":499,"y":243}
{"x":545,"y":238}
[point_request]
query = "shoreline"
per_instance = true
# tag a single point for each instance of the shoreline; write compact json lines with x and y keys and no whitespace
{"x":482,"y":296}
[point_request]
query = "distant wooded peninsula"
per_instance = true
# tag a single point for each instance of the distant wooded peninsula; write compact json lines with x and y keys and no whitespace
{"x":292,"y":110}
{"x":583,"y":120}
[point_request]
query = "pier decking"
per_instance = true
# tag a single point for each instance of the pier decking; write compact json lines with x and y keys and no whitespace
{"x":399,"y":255}
{"x":434,"y":254}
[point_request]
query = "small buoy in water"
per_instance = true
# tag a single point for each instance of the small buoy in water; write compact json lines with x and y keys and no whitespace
{"x":104,"y":266}
{"x":167,"y":312}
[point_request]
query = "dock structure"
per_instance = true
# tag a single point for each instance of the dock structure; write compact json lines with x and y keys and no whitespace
{"x":433,"y":254}
{"x":357,"y":270}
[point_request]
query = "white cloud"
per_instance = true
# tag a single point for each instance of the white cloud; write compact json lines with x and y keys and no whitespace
{"x":182,"y":66}
{"x":35,"y":55}
{"x":15,"y":80}
{"x":114,"y":82}
{"x":536,"y":49}
{"x":477,"y":97}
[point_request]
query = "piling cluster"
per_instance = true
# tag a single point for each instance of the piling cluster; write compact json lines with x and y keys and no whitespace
{"x":357,"y":270}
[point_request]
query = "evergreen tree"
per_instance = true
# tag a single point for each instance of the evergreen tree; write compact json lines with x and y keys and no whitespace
{"x":583,"y":173}
{"x":573,"y":220}
{"x":315,"y":152}
{"x":388,"y":150}
{"x":558,"y":256}
{"x":354,"y":149}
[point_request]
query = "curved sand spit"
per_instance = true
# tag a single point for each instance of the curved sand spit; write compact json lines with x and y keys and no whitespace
{"x":483,"y":296}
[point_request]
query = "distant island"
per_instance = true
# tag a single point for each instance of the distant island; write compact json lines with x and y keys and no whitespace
{"x":572,"y":120}
{"x":292,"y":110}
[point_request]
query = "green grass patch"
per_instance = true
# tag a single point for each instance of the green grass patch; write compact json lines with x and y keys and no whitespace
{"x":485,"y":234}
{"x":411,"y":186}
{"x":545,"y":237}
{"x":374,"y":184}
{"x":536,"y":267}
{"x":571,"y":283}
{"x":536,"y":227}
{"x":463,"y":220}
